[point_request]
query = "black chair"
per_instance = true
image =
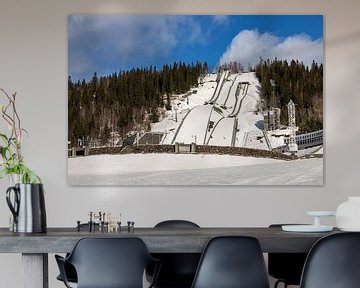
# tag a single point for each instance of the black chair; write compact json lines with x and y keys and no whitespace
{"x":69,"y":269}
{"x":333,"y":262}
{"x":108,"y":263}
{"x":178,"y":269}
{"x":176,"y":224}
{"x":286,"y":267}
{"x":232,"y":262}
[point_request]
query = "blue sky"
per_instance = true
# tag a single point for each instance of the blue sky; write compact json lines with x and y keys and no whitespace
{"x":110,"y":43}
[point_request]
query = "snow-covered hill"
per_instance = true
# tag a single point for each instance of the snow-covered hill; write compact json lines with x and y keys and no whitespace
{"x":223,"y":110}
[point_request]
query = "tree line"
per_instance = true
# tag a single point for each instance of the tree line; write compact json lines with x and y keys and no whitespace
{"x":125,"y":101}
{"x":282,"y":81}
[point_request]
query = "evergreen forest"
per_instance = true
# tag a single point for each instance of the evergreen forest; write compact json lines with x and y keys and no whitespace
{"x":282,"y":81}
{"x":125,"y":101}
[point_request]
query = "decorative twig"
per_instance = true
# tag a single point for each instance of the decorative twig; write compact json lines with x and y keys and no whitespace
{"x":12,"y":159}
{"x":15,"y":129}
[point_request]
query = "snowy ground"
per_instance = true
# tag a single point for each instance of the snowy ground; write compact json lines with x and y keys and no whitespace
{"x":187,"y":169}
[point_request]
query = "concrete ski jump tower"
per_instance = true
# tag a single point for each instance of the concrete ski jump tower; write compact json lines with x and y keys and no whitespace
{"x":293,"y":147}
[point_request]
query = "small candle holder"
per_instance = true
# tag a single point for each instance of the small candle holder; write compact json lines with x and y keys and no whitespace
{"x":318,"y":214}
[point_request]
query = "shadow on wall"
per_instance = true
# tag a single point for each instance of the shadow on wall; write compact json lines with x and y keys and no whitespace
{"x":344,"y":39}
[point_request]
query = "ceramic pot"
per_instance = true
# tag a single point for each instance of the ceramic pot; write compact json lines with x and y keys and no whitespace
{"x":348,"y":215}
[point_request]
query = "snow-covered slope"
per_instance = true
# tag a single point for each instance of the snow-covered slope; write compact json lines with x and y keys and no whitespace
{"x":222,"y":133}
{"x":194,"y":126}
{"x":223,"y":111}
{"x":220,"y":113}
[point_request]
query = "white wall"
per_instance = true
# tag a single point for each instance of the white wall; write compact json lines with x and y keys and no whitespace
{"x":33,"y":62}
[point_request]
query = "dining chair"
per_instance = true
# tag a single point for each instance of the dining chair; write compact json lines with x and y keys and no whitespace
{"x":333,"y":262}
{"x":178,"y":269}
{"x":70,"y":271}
{"x":285,"y":267}
{"x":231,"y":262}
{"x":108,"y":263}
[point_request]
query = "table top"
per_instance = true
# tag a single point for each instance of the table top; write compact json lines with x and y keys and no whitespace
{"x":158,"y":240}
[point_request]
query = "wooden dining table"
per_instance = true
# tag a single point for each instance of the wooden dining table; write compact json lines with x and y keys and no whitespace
{"x":35,"y":247}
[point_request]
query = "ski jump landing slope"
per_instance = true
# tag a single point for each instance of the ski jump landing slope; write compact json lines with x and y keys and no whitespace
{"x":222,"y":134}
{"x":194,"y":126}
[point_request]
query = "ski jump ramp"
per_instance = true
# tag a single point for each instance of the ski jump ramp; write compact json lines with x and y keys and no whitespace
{"x":223,"y":76}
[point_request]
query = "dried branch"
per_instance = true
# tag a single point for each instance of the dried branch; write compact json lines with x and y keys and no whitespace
{"x":12,"y":159}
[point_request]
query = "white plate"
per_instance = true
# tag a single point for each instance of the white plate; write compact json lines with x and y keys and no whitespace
{"x":321,"y":213}
{"x":306,"y":228}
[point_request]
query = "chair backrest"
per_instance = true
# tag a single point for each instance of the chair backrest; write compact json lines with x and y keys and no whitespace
{"x":333,"y":262}
{"x":232,"y":262}
{"x":178,"y":269}
{"x":176,"y":224}
{"x":110,"y":262}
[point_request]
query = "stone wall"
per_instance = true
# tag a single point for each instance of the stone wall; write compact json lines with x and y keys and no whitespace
{"x":200,"y":149}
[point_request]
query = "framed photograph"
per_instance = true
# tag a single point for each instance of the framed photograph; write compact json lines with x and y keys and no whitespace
{"x":195,"y":100}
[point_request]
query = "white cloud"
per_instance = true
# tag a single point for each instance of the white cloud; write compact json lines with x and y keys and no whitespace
{"x":300,"y":47}
{"x":249,"y":45}
{"x":98,"y":41}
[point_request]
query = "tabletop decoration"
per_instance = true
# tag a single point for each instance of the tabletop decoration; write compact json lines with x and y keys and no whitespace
{"x":26,"y":197}
{"x":315,"y":227}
